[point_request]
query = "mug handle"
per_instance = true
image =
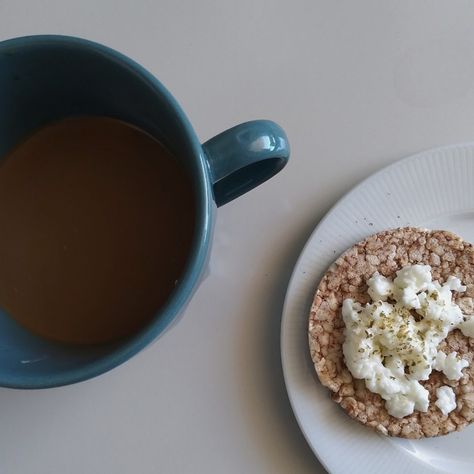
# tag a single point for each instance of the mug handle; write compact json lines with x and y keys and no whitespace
{"x":245,"y":156}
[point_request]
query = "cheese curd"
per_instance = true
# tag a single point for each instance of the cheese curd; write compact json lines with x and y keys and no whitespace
{"x":450,"y":365}
{"x":392,"y":342}
{"x":446,"y":399}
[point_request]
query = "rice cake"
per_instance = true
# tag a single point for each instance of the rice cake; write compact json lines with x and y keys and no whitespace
{"x":387,"y":252}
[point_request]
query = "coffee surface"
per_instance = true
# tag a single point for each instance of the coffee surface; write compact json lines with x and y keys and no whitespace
{"x":96,"y":223}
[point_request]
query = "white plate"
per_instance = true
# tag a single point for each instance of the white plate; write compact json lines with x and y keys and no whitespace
{"x":434,"y":189}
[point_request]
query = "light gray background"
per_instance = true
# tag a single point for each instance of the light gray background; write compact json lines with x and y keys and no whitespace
{"x":356,"y":85}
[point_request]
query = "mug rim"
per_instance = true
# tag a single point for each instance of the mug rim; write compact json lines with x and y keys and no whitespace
{"x":168,"y":313}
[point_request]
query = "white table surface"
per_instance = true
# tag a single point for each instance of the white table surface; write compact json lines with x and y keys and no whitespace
{"x":356,"y":85}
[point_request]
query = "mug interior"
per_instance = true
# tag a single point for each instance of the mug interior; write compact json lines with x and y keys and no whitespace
{"x":48,"y":78}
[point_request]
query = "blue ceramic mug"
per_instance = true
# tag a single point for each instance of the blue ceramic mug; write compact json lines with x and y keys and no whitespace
{"x":46,"y":78}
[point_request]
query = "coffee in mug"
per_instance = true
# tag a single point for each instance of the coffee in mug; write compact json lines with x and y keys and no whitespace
{"x":97,"y":220}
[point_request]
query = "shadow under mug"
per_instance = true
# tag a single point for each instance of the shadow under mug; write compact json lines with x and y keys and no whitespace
{"x":47,"y":78}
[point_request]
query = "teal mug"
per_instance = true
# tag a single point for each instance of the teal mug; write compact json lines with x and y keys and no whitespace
{"x":46,"y":78}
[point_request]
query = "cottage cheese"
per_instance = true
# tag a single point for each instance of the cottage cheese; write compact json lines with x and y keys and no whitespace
{"x":392,"y":342}
{"x":446,"y":400}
